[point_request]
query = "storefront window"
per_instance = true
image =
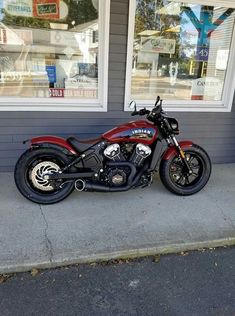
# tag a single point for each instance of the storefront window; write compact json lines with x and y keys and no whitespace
{"x":180,"y":50}
{"x":49,"y":49}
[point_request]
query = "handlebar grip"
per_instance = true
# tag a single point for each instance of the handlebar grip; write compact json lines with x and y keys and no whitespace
{"x":134,"y":113}
{"x":143,"y":112}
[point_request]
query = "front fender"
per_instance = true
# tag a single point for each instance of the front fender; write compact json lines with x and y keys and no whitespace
{"x":54,"y":140}
{"x":172,"y":151}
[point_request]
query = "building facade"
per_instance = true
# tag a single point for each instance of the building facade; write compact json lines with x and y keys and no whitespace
{"x":71,"y":67}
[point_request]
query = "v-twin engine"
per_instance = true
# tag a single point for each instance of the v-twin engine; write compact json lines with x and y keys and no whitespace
{"x":113,"y":152}
{"x":139,"y":154}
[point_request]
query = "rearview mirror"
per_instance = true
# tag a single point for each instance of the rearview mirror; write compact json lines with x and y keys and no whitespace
{"x":132,"y":105}
{"x":157,"y":100}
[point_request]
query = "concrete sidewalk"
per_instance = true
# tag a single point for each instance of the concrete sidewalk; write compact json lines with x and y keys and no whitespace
{"x":91,"y":226}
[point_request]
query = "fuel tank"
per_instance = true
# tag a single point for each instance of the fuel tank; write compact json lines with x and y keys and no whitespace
{"x":139,"y":131}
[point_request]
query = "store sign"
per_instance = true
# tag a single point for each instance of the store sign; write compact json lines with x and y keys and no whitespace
{"x":81,"y":93}
{"x":46,"y":9}
{"x":56,"y":93}
{"x":43,"y":9}
{"x":202,"y":53}
{"x":19,"y":7}
{"x":10,"y":76}
{"x":159,"y":45}
{"x":207,"y":87}
{"x":73,"y":93}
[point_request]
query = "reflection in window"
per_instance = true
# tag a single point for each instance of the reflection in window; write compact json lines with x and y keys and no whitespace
{"x":180,"y":50}
{"x":49,"y":48}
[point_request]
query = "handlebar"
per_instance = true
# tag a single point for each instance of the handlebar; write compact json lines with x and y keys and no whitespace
{"x":140,"y":112}
{"x":155,"y":113}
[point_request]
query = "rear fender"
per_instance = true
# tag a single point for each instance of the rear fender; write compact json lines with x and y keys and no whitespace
{"x":172,"y":151}
{"x":58,"y":142}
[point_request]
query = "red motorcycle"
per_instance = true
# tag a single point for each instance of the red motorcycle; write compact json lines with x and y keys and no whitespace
{"x":123,"y":158}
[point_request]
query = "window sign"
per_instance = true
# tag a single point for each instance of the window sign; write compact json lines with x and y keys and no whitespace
{"x":222,"y":59}
{"x":47,"y":49}
{"x":180,"y":50}
{"x":158,"y":45}
{"x":18,"y":8}
{"x":46,"y":9}
{"x":51,"y":73}
{"x":202,"y":53}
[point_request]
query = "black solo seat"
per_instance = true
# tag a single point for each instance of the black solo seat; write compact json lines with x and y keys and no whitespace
{"x":81,"y":145}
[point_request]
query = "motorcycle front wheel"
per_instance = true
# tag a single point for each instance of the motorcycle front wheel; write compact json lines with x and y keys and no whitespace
{"x":29,"y":176}
{"x":178,"y":180}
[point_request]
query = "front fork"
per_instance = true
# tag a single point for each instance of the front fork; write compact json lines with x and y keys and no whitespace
{"x":182,"y":154}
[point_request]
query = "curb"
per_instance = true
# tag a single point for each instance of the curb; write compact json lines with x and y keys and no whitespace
{"x":122,"y":254}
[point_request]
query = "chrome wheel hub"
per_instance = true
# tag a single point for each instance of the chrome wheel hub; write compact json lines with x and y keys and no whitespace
{"x":39,"y":175}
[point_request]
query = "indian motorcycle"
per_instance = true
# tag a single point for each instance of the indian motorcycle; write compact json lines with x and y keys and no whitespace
{"x":121,"y":159}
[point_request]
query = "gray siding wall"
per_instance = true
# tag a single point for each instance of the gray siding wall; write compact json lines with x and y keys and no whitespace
{"x":214,"y":131}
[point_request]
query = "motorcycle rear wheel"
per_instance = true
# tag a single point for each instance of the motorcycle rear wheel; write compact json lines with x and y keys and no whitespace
{"x":29,"y":179}
{"x":177,"y":180}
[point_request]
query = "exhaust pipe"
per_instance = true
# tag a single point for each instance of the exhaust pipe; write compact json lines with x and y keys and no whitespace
{"x":80,"y":185}
{"x":89,"y":186}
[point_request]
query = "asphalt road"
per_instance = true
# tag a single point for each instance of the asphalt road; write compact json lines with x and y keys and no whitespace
{"x":196,"y":283}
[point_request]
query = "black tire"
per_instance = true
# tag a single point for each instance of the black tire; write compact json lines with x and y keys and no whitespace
{"x":33,"y":186}
{"x":175,"y":178}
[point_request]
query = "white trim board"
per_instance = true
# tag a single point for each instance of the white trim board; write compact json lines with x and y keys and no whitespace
{"x":64,"y":104}
{"x":183,"y":106}
{"x":221,"y":3}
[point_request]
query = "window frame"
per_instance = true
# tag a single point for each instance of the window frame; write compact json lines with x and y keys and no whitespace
{"x":74,"y":105}
{"x":225,"y":105}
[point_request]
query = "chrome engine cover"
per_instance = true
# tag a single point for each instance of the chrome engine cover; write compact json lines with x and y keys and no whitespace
{"x":113,"y":152}
{"x":140,"y":153}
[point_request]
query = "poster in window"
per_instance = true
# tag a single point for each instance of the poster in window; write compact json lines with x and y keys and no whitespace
{"x":46,"y":9}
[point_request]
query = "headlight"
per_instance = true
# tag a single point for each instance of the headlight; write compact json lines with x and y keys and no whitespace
{"x":173,"y":124}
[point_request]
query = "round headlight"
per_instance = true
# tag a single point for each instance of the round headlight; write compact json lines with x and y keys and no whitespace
{"x":174,"y":126}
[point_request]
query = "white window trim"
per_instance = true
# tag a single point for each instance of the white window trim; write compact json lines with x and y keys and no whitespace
{"x":219,"y":3}
{"x":185,"y":105}
{"x":73,"y":105}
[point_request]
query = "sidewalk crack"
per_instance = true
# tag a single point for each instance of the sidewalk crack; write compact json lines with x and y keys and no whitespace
{"x":47,"y":240}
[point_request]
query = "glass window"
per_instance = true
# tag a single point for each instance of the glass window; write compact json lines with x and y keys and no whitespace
{"x":180,"y":50}
{"x":49,"y":48}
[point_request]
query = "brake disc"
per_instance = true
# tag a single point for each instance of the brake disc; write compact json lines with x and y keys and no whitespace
{"x":39,"y":172}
